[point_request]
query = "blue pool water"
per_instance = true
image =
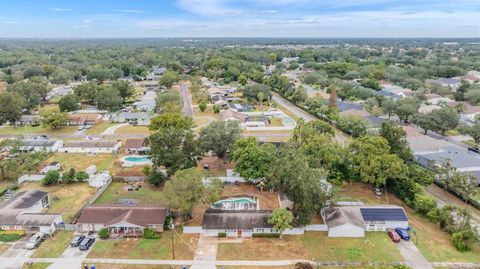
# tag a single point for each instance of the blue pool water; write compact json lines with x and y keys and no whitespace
{"x":238,"y":200}
{"x":137,"y":159}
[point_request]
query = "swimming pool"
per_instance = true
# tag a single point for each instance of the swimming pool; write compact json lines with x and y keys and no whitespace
{"x":135,"y":160}
{"x":236,"y":203}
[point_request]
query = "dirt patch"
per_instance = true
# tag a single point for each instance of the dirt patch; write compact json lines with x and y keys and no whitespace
{"x":217,"y":167}
{"x":268,"y":200}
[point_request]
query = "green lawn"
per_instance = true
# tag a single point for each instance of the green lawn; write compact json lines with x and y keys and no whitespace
{"x":160,"y":249}
{"x":53,"y":247}
{"x":146,"y":195}
{"x":37,"y":265}
{"x":130,"y":129}
{"x":24,"y":130}
{"x":99,"y":128}
{"x":375,"y":247}
{"x":80,"y":161}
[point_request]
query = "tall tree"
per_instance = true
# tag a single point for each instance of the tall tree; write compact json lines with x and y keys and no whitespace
{"x":68,"y":103}
{"x":109,"y":99}
{"x":11,"y":105}
{"x":123,"y":88}
{"x":219,"y":137}
{"x":168,"y":79}
{"x":187,"y":189}
{"x":472,"y":130}
{"x":396,"y":138}
{"x":53,"y":118}
{"x":253,"y":161}
{"x":281,"y":219}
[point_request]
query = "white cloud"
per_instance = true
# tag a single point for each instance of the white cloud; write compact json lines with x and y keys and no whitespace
{"x":59,"y":9}
{"x":209,"y":7}
{"x":270,"y":11}
{"x":11,"y":22}
{"x":133,"y":11}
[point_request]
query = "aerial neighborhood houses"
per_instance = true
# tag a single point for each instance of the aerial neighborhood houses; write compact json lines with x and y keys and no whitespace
{"x":91,"y":146}
{"x":24,"y":212}
{"x":136,"y":146}
{"x":40,"y":144}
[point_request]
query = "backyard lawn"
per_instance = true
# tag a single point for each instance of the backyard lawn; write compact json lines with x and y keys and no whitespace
{"x":434,"y":244}
{"x":29,"y":130}
{"x":64,"y":199}
{"x":130,"y":129}
{"x":37,"y":265}
{"x":80,"y":161}
{"x":157,"y":249}
{"x":146,"y":195}
{"x":313,"y":245}
{"x":54,"y":246}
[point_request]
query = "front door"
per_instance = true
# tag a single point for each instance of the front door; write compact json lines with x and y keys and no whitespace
{"x":239,"y":233}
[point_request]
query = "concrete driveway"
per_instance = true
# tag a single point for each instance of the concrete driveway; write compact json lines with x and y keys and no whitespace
{"x":73,"y":258}
{"x":412,"y":255}
{"x":16,"y":251}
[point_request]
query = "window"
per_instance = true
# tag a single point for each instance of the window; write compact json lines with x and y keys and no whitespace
{"x":5,"y":227}
{"x":260,"y":230}
{"x":18,"y":228}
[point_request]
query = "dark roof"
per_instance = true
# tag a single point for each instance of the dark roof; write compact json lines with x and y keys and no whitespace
{"x":91,"y":143}
{"x":24,"y":199}
{"x":337,"y":216}
{"x":141,"y":215}
{"x":38,"y":143}
{"x":342,"y":106}
{"x":383,"y":214}
{"x":134,"y":143}
{"x":28,"y":219}
{"x":236,"y":219}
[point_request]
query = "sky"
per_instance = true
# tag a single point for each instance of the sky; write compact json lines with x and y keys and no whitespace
{"x":239,"y":18}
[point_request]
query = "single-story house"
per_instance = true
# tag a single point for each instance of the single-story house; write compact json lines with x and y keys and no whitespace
{"x":240,"y":107}
{"x":40,"y":145}
{"x":423,"y":144}
{"x":83,"y":119}
{"x":133,"y":118}
{"x":436,"y":99}
{"x":469,"y":113}
{"x":51,"y":166}
{"x":29,"y":120}
{"x":461,"y":158}
{"x":91,"y":146}
{"x":123,"y":220}
{"x":343,"y":105}
{"x":91,"y":170}
{"x":136,"y":146}
{"x":236,"y":223}
{"x":231,"y":115}
{"x":452,"y":83}
{"x":24,"y":212}
{"x":59,"y":92}
{"x":99,"y":180}
{"x":30,"y":178}
{"x":354,"y":221}
{"x":393,"y":91}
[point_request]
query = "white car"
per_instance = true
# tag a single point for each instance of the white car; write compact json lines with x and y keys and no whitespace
{"x":35,"y":240}
{"x":81,"y":127}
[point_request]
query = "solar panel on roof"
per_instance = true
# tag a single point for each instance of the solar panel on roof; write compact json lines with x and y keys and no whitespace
{"x":383,"y":214}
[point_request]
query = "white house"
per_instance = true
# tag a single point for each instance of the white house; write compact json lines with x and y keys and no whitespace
{"x":91,"y":146}
{"x":30,"y":178}
{"x":354,"y":221}
{"x":40,"y":145}
{"x":55,"y":166}
{"x":99,"y":180}
{"x":24,"y":212}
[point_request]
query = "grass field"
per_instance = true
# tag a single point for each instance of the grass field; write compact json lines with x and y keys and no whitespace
{"x":65,"y":199}
{"x":157,"y":249}
{"x":24,"y":130}
{"x":434,"y":244}
{"x":80,"y":161}
{"x":37,"y":265}
{"x":130,"y":129}
{"x":313,"y":245}
{"x":146,"y":195}
{"x":54,"y":246}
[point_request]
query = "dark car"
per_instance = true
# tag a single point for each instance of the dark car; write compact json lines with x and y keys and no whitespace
{"x":402,"y":233}
{"x":86,"y":243}
{"x":77,"y":240}
{"x":395,"y":238}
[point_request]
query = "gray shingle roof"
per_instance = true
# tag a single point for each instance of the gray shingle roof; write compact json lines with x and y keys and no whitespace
{"x":235,"y":219}
{"x":24,"y":200}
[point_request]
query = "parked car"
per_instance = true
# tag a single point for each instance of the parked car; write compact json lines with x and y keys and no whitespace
{"x":88,"y":126}
{"x":35,"y":240}
{"x":77,"y":240}
{"x":80,"y":128}
{"x":403,"y":233}
{"x":86,"y":243}
{"x":377,"y":191}
{"x":394,"y":236}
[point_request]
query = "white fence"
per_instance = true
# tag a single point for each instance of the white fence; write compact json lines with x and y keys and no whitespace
{"x":316,"y":227}
{"x":192,"y":229}
{"x":294,"y":231}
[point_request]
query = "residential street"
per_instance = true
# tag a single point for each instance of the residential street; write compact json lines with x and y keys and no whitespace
{"x":187,"y":105}
{"x":339,"y":136}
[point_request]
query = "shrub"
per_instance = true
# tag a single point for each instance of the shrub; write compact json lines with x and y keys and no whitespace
{"x":150,"y":234}
{"x":69,"y":176}
{"x":461,"y":240}
{"x":424,"y":203}
{"x":51,"y":178}
{"x":10,"y":236}
{"x":81,"y":176}
{"x":222,"y":235}
{"x":168,"y":221}
{"x":104,"y":233}
{"x":265,"y":235}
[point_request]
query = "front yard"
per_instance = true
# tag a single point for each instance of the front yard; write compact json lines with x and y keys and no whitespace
{"x":375,"y":247}
{"x":54,"y":246}
{"x":156,"y":249}
{"x":64,"y":199}
{"x":37,"y":265}
{"x":30,"y":130}
{"x":80,"y":161}
{"x":130,"y":129}
{"x":433,"y":243}
{"x":146,"y":195}
{"x":99,"y":128}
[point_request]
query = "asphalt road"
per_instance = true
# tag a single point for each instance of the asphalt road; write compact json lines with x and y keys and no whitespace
{"x":341,"y":138}
{"x":187,"y":105}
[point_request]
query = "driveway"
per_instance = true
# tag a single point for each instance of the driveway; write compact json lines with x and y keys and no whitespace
{"x":187,"y":105}
{"x":16,"y":251}
{"x":412,"y":256}
{"x":206,"y":253}
{"x":111,"y":130}
{"x":72,"y":258}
